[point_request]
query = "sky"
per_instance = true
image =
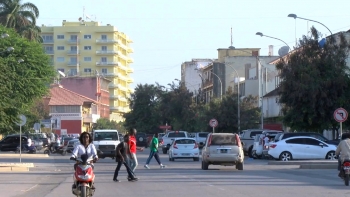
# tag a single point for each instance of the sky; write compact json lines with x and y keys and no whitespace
{"x":167,"y":33}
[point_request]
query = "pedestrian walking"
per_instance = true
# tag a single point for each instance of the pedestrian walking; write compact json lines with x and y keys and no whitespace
{"x":133,"y":148}
{"x":122,"y":155}
{"x":154,"y":152}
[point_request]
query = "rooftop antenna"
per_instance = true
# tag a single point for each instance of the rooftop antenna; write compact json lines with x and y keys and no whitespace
{"x":84,"y":12}
{"x":231,"y":46}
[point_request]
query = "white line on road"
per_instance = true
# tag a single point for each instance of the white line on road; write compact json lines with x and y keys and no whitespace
{"x":25,"y":190}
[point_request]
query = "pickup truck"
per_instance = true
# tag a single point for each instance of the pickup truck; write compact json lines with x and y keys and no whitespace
{"x":169,"y":137}
{"x":247,"y":137}
{"x":200,"y":138}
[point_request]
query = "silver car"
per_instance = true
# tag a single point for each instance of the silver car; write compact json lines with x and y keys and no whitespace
{"x":223,"y":149}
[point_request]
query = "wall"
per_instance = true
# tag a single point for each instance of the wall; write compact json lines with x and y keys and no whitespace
{"x":72,"y":126}
{"x":223,"y":53}
{"x":271,"y":107}
{"x":190,"y":76}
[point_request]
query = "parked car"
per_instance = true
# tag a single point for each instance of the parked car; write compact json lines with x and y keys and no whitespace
{"x":41,"y":136}
{"x":200,"y":138}
{"x":247,"y":137}
{"x":184,"y":148}
{"x":141,"y":140}
{"x":65,"y":140}
{"x":223,"y":149}
{"x":11,"y":142}
{"x":301,"y":147}
{"x":282,"y":136}
{"x":71,"y":145}
{"x":167,"y":140}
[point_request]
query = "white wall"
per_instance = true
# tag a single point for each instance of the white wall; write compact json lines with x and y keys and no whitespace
{"x":191,"y":76}
{"x":271,"y":107}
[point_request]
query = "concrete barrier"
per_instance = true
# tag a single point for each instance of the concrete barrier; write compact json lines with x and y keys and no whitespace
{"x":14,"y":169}
{"x":38,"y":155}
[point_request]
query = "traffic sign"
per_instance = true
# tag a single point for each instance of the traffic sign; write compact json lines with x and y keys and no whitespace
{"x":340,"y":115}
{"x":213,"y":123}
{"x":23,"y":120}
{"x":165,"y":127}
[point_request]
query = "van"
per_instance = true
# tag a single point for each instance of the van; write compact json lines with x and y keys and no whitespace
{"x":106,"y":141}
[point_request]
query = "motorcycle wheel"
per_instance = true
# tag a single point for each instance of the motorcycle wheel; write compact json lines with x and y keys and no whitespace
{"x":47,"y":152}
{"x":83,"y":191}
{"x":64,"y":153}
{"x":346,"y":179}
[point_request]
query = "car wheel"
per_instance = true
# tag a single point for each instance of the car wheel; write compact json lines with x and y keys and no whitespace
{"x":250,"y":152}
{"x":195,"y":158}
{"x":286,"y":156}
{"x":331,"y":155}
{"x":165,"y":151}
{"x":240,"y":166}
{"x":205,"y":165}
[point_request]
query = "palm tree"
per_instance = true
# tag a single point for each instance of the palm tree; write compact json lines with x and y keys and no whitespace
{"x":31,"y":32}
{"x":20,"y":16}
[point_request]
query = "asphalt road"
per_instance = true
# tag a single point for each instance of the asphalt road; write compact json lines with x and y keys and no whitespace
{"x":52,"y":177}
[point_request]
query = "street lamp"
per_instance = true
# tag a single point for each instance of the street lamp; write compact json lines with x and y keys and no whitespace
{"x":295,"y":17}
{"x":261,"y":34}
{"x":220,"y":83}
{"x":238,"y":100}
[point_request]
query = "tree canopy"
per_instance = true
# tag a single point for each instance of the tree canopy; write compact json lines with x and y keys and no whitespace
{"x":25,"y":74}
{"x":314,"y":82}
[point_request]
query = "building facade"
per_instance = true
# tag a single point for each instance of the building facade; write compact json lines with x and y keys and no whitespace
{"x":88,"y":49}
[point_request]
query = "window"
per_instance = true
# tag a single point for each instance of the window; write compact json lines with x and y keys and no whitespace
{"x":295,"y":141}
{"x":73,"y":71}
{"x":47,"y":37}
{"x":60,"y":37}
{"x":320,"y":137}
{"x":104,"y":70}
{"x":185,"y":141}
{"x":223,"y":140}
{"x":87,"y":59}
{"x":178,"y":134}
{"x":254,"y":133}
{"x":104,"y":48}
{"x":103,"y":59}
{"x":87,"y":48}
{"x":73,"y":59}
{"x":65,"y":109}
{"x":313,"y":142}
{"x":106,"y":136}
{"x":73,"y":48}
{"x":104,"y":37}
{"x":60,"y":59}
{"x":48,"y":48}
{"x":87,"y":70}
{"x":87,"y":36}
{"x":61,"y":69}
{"x":60,"y":48}
{"x":73,"y":37}
{"x":204,"y":135}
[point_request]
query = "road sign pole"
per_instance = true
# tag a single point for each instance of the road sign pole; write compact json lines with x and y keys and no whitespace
{"x":20,"y":144}
{"x":213,"y":129}
{"x":341,"y":129}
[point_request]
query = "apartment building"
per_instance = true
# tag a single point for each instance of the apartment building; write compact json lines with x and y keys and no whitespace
{"x":86,"y":48}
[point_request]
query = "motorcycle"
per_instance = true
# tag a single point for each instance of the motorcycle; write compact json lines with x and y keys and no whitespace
{"x":83,"y":177}
{"x":31,"y":149}
{"x":59,"y":150}
{"x":346,"y":170}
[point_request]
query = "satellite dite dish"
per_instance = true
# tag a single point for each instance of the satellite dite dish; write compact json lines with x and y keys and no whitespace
{"x":61,"y":73}
{"x":283,"y":51}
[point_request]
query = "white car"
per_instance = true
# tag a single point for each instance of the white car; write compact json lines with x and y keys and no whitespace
{"x":184,"y":148}
{"x":301,"y":147}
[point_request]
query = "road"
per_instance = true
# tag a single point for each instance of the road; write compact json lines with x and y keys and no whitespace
{"x":52,"y":177}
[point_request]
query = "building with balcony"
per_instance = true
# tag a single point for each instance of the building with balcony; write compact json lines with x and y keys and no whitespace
{"x":84,"y":49}
{"x":70,"y":111}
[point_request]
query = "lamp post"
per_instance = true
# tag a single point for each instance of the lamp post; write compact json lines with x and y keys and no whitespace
{"x":238,"y":101}
{"x":295,"y":17}
{"x":220,"y":83}
{"x":261,"y":34}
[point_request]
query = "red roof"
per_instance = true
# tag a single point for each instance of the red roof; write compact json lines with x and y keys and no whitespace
{"x":61,"y":96}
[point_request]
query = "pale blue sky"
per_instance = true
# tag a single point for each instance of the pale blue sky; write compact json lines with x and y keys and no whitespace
{"x":167,"y":33}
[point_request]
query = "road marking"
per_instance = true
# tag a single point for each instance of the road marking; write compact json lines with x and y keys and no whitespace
{"x":25,"y":190}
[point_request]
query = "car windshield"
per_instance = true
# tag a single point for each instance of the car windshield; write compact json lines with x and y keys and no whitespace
{"x":203,"y":134}
{"x":185,"y":141}
{"x":223,"y":140}
{"x":177,"y":134}
{"x":100,"y":136}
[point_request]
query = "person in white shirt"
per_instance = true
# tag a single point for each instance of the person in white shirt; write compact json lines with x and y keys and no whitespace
{"x":85,"y":147}
{"x":29,"y":142}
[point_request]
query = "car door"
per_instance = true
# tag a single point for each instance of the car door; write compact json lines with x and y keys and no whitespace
{"x":314,"y":150}
{"x":296,"y":147}
{"x":6,"y":143}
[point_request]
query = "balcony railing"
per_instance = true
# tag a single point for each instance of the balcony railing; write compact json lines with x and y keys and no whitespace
{"x":107,"y":52}
{"x":130,"y":70}
{"x":73,"y":41}
{"x":73,"y":52}
{"x":73,"y":64}
{"x":130,"y":60}
{"x":130,"y":80}
{"x":122,"y":45}
{"x":106,"y":41}
{"x":48,"y":41}
{"x":106,"y":63}
{"x":51,"y":52}
{"x":130,"y":50}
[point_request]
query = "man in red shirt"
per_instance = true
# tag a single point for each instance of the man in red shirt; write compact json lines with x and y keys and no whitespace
{"x":133,"y":148}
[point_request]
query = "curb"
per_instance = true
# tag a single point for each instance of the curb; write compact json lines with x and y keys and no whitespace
{"x":27,"y":165}
{"x":14,"y":169}
{"x":319,"y":166}
{"x":303,"y":162}
{"x":25,"y":155}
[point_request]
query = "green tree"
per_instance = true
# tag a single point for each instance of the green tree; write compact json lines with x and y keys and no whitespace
{"x":314,"y":82}
{"x":21,"y":17}
{"x":104,"y":123}
{"x":26,"y":73}
{"x":144,"y":115}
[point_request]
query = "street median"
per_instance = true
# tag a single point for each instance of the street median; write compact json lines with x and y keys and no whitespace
{"x":38,"y":155}
{"x":309,"y":164}
{"x":15,"y":167}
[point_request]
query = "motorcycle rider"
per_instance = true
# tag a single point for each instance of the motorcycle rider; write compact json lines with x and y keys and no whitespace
{"x":343,"y":150}
{"x":85,"y":147}
{"x":29,"y":143}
